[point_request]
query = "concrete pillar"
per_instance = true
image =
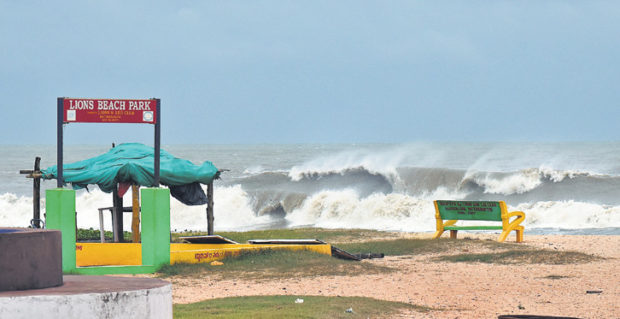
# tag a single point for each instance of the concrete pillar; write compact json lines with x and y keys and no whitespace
{"x":60,"y":215}
{"x":155,"y":226}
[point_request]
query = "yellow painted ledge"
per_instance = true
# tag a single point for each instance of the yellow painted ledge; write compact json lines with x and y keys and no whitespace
{"x":201,"y":253}
{"x":107,"y":254}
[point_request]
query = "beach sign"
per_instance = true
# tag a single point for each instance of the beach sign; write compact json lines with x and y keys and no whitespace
{"x":85,"y":110}
{"x":469,"y":210}
{"x":77,"y":110}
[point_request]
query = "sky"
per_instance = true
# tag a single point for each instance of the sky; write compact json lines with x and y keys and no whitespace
{"x":249,"y":72}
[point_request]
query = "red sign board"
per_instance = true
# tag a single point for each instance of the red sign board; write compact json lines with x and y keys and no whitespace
{"x":109,"y":111}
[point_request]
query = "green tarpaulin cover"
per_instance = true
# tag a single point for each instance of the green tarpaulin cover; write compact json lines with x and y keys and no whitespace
{"x":133,"y":163}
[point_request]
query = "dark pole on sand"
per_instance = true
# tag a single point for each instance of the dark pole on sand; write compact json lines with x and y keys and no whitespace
{"x":36,"y":194}
{"x":117,"y":216}
{"x":35,"y":174}
{"x":210,"y":217}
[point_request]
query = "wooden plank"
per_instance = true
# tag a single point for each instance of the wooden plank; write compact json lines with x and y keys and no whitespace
{"x":286,"y":242}
{"x":339,"y":253}
{"x":117,"y":216}
{"x":135,"y":216}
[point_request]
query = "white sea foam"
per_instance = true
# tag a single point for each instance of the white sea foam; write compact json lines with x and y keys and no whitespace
{"x":254,"y":170}
{"x":557,"y":176}
{"x":232,"y":211}
{"x":16,"y":211}
{"x":443,"y":193}
{"x":569,"y":215}
{"x":519,"y":183}
{"x":345,"y":209}
{"x":329,"y":209}
{"x":569,"y":186}
{"x":384,"y":163}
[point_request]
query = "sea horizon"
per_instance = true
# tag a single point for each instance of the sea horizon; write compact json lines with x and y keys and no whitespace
{"x":563,"y":187}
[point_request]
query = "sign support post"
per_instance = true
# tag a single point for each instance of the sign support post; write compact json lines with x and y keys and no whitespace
{"x":59,"y":142}
{"x":157,"y":140}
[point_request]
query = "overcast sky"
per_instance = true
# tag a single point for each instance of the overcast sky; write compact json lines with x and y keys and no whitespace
{"x":316,"y":71}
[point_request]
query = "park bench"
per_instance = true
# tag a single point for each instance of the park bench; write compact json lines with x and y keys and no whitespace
{"x":453,"y":211}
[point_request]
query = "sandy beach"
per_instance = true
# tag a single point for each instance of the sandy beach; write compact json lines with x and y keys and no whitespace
{"x":459,"y":290}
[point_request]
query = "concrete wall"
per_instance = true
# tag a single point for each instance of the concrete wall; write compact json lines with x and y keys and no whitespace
{"x":29,"y":259}
{"x":135,"y":304}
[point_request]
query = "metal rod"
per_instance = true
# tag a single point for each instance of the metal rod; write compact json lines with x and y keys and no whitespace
{"x":157,"y":140}
{"x":59,"y":142}
{"x":36,"y":195}
{"x":101,"y":229}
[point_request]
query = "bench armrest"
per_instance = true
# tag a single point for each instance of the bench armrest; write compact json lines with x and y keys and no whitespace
{"x":509,"y":226}
{"x":520,"y":217}
{"x":441,"y":225}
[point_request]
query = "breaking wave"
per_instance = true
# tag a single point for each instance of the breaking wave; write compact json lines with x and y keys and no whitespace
{"x":383,"y":188}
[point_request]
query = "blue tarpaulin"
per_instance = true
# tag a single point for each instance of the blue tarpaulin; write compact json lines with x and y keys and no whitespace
{"x":133,"y":163}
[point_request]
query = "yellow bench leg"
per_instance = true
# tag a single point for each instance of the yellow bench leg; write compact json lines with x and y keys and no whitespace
{"x":438,"y":234}
{"x":519,"y":234}
{"x":518,"y":231}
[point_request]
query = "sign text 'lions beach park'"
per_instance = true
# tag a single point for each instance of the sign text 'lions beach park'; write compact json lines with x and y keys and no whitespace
{"x":109,"y":111}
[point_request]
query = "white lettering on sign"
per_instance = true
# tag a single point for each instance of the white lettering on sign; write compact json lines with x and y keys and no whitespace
{"x":140,"y":105}
{"x":114,"y":105}
{"x":81,"y":105}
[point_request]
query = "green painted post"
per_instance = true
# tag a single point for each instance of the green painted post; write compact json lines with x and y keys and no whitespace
{"x":155,"y":226}
{"x":60,"y":215}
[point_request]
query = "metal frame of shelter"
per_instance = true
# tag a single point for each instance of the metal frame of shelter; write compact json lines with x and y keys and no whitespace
{"x":109,"y":111}
{"x":60,"y":142}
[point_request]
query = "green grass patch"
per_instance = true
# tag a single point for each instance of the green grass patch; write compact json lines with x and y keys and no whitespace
{"x":525,"y":256}
{"x":327,"y":235}
{"x":85,"y":235}
{"x":273,"y":264}
{"x":265,"y":307}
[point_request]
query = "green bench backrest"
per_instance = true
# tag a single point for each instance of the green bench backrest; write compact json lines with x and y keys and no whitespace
{"x":467,"y":210}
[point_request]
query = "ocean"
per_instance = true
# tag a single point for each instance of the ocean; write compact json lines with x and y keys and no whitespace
{"x":564,"y":188}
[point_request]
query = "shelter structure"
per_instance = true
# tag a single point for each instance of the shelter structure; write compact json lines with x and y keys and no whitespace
{"x":116,"y":171}
{"x":131,"y":166}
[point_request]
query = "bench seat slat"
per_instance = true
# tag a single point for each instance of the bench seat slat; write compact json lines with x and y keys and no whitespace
{"x":472,"y":227}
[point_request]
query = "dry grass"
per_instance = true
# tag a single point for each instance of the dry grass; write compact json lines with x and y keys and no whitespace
{"x":524,"y":256}
{"x":273,"y":264}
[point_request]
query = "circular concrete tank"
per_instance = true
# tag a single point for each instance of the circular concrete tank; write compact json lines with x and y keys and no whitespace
{"x":30,"y":258}
{"x":92,"y":297}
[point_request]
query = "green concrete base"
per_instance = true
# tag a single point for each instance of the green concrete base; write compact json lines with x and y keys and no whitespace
{"x":155,"y":231}
{"x":113,"y":270}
